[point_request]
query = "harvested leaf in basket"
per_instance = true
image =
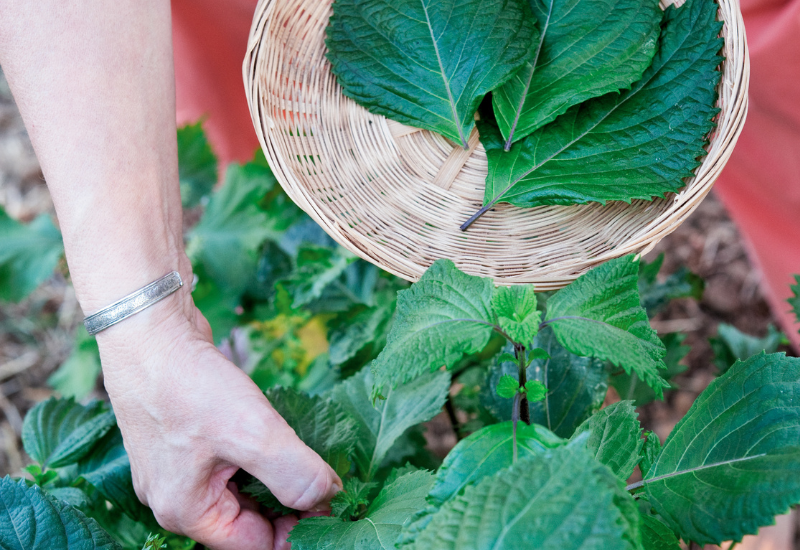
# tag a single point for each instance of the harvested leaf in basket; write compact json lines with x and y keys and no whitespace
{"x":586,"y":48}
{"x":428,"y":63}
{"x":639,"y":144}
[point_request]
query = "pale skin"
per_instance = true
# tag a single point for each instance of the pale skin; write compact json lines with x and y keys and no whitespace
{"x":94,"y":82}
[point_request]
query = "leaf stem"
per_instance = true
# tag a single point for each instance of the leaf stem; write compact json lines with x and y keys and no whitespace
{"x":514,"y":420}
{"x":475,"y":216}
{"x":524,"y":410}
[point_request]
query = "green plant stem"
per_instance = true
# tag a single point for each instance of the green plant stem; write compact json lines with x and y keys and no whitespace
{"x":524,"y":410}
{"x":451,"y":414}
{"x":514,"y":420}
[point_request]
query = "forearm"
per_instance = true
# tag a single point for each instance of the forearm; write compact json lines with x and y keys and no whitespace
{"x":94,"y":83}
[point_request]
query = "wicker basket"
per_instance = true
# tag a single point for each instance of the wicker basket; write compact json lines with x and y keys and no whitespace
{"x":395,"y":195}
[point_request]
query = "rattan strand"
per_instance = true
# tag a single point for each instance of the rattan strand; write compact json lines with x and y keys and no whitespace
{"x":396,"y":195}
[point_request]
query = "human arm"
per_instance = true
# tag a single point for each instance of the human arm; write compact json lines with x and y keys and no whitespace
{"x":94,"y":83}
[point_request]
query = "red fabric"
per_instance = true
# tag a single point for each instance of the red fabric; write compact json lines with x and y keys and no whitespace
{"x":760,"y":186}
{"x":209,"y":39}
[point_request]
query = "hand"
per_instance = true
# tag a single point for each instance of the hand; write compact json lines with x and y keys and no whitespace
{"x":190,"y":419}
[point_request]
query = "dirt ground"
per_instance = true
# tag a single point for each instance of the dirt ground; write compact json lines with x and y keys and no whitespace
{"x":36,"y":335}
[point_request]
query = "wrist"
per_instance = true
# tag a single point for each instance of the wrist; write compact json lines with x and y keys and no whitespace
{"x":151,"y":329}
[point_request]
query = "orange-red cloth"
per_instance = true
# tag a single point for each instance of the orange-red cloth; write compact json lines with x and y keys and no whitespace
{"x":209,"y":40}
{"x":760,"y":186}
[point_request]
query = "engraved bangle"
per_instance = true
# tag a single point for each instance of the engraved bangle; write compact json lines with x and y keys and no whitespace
{"x":133,"y":303}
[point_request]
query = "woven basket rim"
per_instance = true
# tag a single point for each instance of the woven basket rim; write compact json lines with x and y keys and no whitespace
{"x":386,"y":192}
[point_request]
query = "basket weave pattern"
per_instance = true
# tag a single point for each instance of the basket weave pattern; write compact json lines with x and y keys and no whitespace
{"x":396,"y":195}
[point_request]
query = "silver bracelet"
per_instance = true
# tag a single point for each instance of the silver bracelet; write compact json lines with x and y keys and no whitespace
{"x":133,"y":303}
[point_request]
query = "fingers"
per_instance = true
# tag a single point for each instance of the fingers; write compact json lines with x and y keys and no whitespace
{"x":283,"y":526}
{"x":295,"y":474}
{"x":225,"y":524}
{"x":228,"y":526}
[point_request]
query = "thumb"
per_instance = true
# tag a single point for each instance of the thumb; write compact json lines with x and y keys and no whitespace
{"x":295,"y":474}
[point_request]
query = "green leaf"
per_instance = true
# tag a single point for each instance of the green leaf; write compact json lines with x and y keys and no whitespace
{"x":599,"y":315}
{"x":733,"y":462}
{"x":649,"y":453}
{"x":638,"y":144}
{"x":317,"y":267}
{"x":535,"y":391}
{"x":69,"y":495}
{"x":357,"y":328}
{"x":41,"y":477}
{"x":507,"y":386}
{"x":629,"y":386}
{"x":197,"y":164}
{"x":538,"y":353}
{"x":355,"y":495}
{"x":586,"y":49}
{"x":614,"y":437}
{"x":576,"y":386}
{"x":28,"y":255}
{"x":77,"y":376}
{"x":227,"y":239}
{"x":561,"y":500}
{"x":409,"y":451}
{"x":58,"y":432}
{"x":381,"y":525}
{"x":656,"y":295}
{"x":486,"y":452}
{"x":155,"y":542}
{"x":254,"y":488}
{"x":319,"y":377}
{"x":506,"y":357}
{"x":428,"y":64}
{"x":320,"y":423}
{"x":218,"y":304}
{"x":794,"y":301}
{"x":731,"y":345}
{"x":108,"y":470}
{"x":656,"y":535}
{"x":32,"y":520}
{"x":380,"y":426}
{"x":129,"y":534}
{"x":515,"y":307}
{"x":442,"y":317}
{"x":481,"y":454}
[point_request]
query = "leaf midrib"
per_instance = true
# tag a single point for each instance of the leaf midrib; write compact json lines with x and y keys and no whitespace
{"x":378,"y":435}
{"x":693,"y":469}
{"x":446,"y":82}
{"x":524,"y":96}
